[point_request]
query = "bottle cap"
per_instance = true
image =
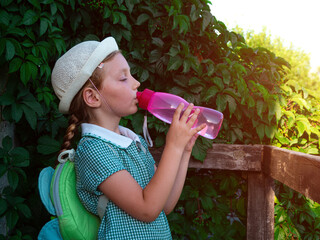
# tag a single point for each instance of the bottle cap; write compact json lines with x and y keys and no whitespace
{"x":144,"y":98}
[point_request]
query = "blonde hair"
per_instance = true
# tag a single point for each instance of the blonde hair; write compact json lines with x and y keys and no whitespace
{"x":79,"y":111}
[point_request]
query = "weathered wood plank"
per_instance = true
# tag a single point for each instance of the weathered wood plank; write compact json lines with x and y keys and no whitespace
{"x":260,"y":209}
{"x":298,"y":171}
{"x":226,"y":157}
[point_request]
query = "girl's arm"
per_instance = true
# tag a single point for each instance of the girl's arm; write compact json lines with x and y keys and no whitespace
{"x":181,"y":176}
{"x":146,"y":204}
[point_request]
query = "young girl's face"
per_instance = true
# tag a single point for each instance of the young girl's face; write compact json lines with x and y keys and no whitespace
{"x":119,"y":87}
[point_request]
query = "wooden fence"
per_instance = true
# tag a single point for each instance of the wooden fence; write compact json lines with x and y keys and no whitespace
{"x":263,"y":164}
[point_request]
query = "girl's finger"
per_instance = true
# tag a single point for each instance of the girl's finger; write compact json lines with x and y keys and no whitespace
{"x":200,"y":128}
{"x":177,"y":113}
{"x":186,"y":113}
{"x":193,"y":117}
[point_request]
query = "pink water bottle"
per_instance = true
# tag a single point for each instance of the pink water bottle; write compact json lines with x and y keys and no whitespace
{"x":163,"y":105}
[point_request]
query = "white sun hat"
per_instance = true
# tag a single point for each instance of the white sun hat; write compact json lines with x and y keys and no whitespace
{"x":74,"y":68}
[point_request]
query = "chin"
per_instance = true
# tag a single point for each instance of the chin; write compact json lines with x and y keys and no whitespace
{"x":133,"y":111}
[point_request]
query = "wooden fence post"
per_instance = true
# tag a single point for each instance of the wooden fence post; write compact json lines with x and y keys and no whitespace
{"x":260,"y":209}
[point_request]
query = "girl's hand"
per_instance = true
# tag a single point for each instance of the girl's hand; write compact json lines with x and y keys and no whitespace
{"x":181,"y":135}
{"x":191,"y":143}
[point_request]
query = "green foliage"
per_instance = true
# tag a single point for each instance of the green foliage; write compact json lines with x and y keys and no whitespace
{"x":298,"y":130}
{"x":171,"y":46}
{"x":300,"y":71}
{"x":296,"y":216}
{"x":212,"y":206}
{"x":14,"y":160}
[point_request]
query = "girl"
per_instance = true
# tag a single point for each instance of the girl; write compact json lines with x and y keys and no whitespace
{"x":94,"y":85}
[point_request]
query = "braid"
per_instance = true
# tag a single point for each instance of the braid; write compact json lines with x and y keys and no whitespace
{"x":71,"y":130}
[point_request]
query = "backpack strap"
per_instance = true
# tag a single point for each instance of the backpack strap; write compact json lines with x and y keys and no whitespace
{"x":103,"y":200}
{"x":67,"y":155}
{"x":102,"y":205}
{"x":146,"y":134}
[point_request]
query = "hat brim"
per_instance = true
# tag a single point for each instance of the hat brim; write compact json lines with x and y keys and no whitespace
{"x":104,"y":48}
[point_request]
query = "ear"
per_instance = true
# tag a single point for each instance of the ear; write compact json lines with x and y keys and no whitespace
{"x":91,"y":97}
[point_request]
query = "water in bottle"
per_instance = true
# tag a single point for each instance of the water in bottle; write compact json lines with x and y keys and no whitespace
{"x":163,"y":105}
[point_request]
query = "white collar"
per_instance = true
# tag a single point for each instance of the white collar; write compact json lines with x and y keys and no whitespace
{"x":123,"y":140}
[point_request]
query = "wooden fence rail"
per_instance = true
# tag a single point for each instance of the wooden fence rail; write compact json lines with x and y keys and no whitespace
{"x":263,"y":164}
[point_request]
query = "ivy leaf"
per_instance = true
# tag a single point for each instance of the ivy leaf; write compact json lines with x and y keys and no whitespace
{"x":35,"y":106}
{"x":12,"y":218}
{"x":155,"y":55}
{"x":130,"y":5}
{"x":260,"y":130}
{"x":221,"y":102}
{"x":10,"y":50}
{"x":43,"y":26}
{"x":174,"y":63}
{"x":30,"y":116}
{"x":313,"y":150}
{"x":47,"y":145}
{"x":206,"y":16}
{"x":301,"y":128}
{"x":260,"y":108}
{"x":226,"y":76}
{"x":13,"y":179}
{"x":186,"y":66}
{"x":232,"y":104}
{"x":115,"y":17}
{"x":59,"y":44}
{"x":218,"y":81}
{"x":16,"y":112}
{"x":30,"y":17}
{"x":20,"y":157}
{"x":200,"y":148}
{"x":15,"y":64}
{"x":211,"y":92}
{"x":270,"y":131}
{"x":238,"y":132}
{"x":25,"y":73}
{"x":126,"y":34}
{"x":301,"y":102}
{"x":142,"y":18}
{"x":123,"y":19}
{"x":251,"y":102}
{"x":206,"y":203}
{"x":144,"y":75}
{"x":107,"y":12}
{"x":24,"y":209}
{"x":137,"y":122}
{"x":193,"y":13}
{"x":158,"y":42}
{"x":35,"y":3}
{"x":4,"y":17}
{"x":283,"y":140}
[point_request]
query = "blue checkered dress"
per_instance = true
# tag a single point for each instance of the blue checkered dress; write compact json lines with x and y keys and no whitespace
{"x":101,"y":153}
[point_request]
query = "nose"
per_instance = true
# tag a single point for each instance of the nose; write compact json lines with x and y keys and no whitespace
{"x":136,"y":83}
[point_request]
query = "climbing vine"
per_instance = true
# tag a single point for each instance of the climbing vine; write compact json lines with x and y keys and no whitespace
{"x":171,"y":46}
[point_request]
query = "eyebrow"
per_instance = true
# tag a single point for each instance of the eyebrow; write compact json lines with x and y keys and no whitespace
{"x":124,"y":70}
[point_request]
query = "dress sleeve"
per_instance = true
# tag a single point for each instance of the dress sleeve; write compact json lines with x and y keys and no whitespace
{"x":97,"y":160}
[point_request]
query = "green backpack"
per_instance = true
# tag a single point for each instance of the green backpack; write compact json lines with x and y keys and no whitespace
{"x":57,"y":190}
